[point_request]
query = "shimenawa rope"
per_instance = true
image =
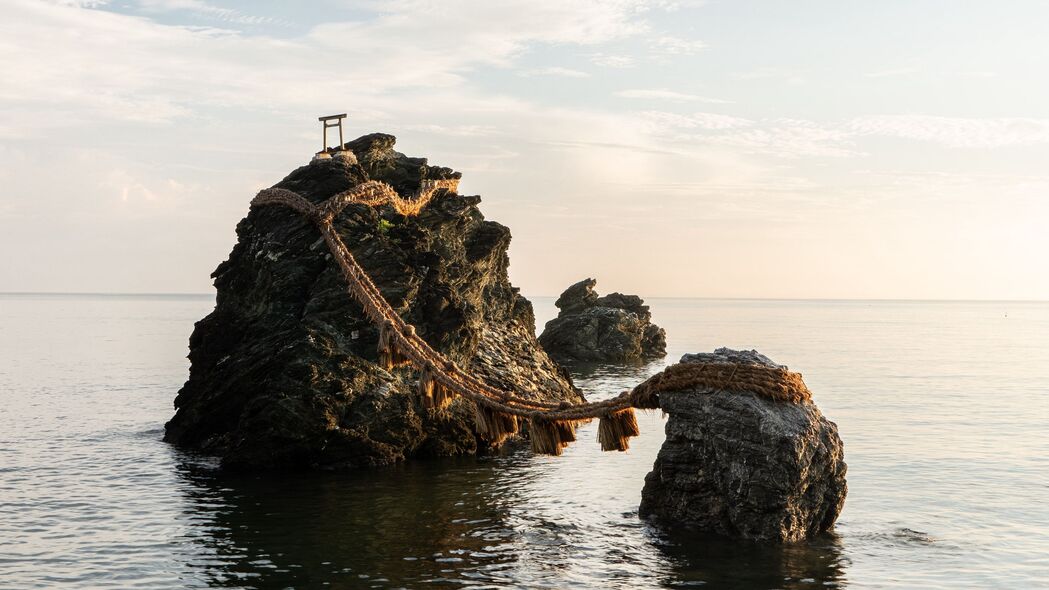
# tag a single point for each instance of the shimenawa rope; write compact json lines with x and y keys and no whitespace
{"x":499,"y":412}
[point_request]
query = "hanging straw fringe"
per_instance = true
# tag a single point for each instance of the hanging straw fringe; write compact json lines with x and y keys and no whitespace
{"x":550,"y":437}
{"x":493,"y":426}
{"x":389,"y":355}
{"x":615,"y":429}
{"x":442,"y":397}
{"x":426,"y":385}
{"x":432,"y":394}
{"x":565,"y":431}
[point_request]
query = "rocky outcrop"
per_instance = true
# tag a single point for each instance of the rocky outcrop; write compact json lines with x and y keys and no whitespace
{"x":741,"y":464}
{"x":283,"y":371}
{"x":615,"y":327}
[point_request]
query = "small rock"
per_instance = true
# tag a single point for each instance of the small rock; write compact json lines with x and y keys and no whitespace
{"x":615,"y":327}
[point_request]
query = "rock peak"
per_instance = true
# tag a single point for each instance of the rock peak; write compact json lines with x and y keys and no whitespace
{"x":284,"y":372}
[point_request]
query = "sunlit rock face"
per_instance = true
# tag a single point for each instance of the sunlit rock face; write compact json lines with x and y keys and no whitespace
{"x":742,"y":465}
{"x":283,"y":372}
{"x":615,"y":327}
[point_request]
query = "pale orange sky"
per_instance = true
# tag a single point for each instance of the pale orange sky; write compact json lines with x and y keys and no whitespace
{"x":716,"y":149}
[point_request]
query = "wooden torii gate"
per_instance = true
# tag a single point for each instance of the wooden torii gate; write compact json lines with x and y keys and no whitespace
{"x":327,"y":123}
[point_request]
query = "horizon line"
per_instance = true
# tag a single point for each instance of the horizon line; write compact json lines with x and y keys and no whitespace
{"x":703,"y":297}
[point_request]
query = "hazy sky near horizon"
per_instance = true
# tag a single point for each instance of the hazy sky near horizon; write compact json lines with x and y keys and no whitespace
{"x":891,"y":149}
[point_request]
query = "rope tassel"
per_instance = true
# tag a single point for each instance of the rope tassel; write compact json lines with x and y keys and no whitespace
{"x":550,"y":437}
{"x":616,"y":428}
{"x":493,"y":426}
{"x":389,"y":356}
{"x":432,"y":394}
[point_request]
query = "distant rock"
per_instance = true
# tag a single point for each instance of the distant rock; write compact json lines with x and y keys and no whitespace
{"x":284,"y":373}
{"x":615,"y":327}
{"x":740,"y":464}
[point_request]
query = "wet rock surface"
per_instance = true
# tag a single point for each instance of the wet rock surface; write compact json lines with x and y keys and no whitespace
{"x":283,"y":372}
{"x":742,"y":465}
{"x":615,"y":327}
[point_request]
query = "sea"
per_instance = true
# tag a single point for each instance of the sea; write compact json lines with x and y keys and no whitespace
{"x":943,"y":408}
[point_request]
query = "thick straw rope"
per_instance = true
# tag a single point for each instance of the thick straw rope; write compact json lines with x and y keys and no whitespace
{"x":556,"y":420}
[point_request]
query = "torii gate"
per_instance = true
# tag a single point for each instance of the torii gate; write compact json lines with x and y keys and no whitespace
{"x":326,"y":123}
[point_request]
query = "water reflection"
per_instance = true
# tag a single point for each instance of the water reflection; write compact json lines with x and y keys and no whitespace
{"x":418,"y":522}
{"x":601,"y":380}
{"x":508,"y":520}
{"x":698,"y":559}
{"x":946,"y":489}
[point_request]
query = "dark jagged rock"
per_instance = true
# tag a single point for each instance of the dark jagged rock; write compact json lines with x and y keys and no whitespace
{"x":283,"y":371}
{"x":615,"y":327}
{"x":740,"y":464}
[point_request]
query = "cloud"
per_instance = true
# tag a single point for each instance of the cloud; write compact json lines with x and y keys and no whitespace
{"x":612,"y":61}
{"x":666,"y":94}
{"x":789,"y":76}
{"x":132,"y":69}
{"x":793,"y":138}
{"x":555,"y":71}
{"x":785,"y":137}
{"x":781,"y":138}
{"x":200,"y":8}
{"x":81,"y":3}
{"x":954,"y":132}
{"x":664,"y":120}
{"x":905,"y":71}
{"x":669,"y":45}
{"x":160,"y":134}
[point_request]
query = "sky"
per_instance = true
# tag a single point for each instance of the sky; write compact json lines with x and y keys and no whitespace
{"x":745,"y":148}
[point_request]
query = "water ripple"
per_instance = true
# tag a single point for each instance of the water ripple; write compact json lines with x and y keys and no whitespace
{"x":946,"y":490}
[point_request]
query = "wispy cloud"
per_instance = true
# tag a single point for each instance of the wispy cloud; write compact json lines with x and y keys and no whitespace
{"x":790,"y":76}
{"x":955,"y":132}
{"x":799,"y":137}
{"x":556,"y":71}
{"x":178,"y":124}
{"x":663,"y":121}
{"x":176,"y":71}
{"x":893,"y":72}
{"x":612,"y":61}
{"x":670,"y":45}
{"x":978,"y":74}
{"x":666,"y":94}
{"x":81,"y":3}
{"x":201,"y":8}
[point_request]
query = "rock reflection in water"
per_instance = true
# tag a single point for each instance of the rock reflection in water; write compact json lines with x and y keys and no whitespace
{"x":418,"y":522}
{"x":700,"y":559}
{"x":512,"y":520}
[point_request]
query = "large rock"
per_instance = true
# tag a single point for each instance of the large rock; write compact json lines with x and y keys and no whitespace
{"x":740,"y":464}
{"x":283,"y":371}
{"x":615,"y":327}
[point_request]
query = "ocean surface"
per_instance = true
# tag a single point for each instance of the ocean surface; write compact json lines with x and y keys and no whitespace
{"x":943,"y":408}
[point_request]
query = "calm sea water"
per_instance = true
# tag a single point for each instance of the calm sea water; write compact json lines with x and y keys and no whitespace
{"x":942,"y":407}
